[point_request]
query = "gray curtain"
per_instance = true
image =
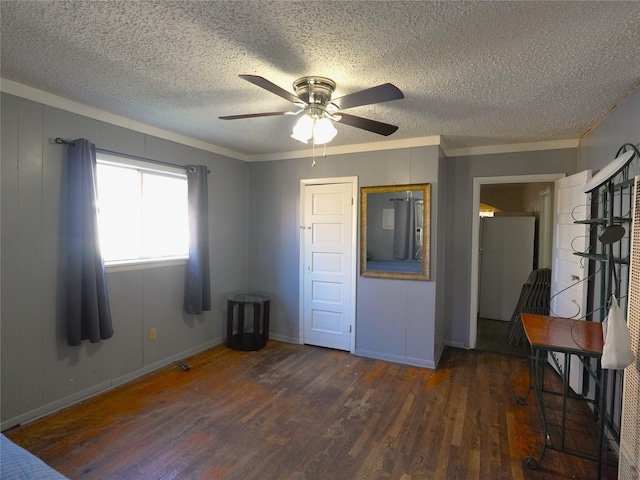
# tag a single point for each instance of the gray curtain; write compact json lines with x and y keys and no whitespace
{"x":87,"y":308}
{"x":404,"y":233}
{"x":198,"y":288}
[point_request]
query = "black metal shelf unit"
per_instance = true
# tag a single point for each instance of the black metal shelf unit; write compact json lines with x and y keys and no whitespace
{"x":611,"y":205}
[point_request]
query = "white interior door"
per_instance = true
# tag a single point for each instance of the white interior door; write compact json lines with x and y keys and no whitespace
{"x":569,"y":271}
{"x":328,"y":265}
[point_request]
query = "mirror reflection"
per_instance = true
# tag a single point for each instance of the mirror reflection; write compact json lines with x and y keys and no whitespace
{"x":394,"y":231}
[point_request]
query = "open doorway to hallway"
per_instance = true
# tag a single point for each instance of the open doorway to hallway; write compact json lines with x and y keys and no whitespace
{"x":515,"y":238}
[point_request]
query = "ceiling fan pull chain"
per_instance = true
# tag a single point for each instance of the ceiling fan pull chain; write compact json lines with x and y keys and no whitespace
{"x":313,"y":152}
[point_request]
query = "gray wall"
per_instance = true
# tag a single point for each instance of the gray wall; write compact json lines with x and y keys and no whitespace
{"x":621,"y":126}
{"x":395,"y":319}
{"x":460,"y":174}
{"x":40,"y":373}
{"x":254,"y":222}
{"x":442,"y":262}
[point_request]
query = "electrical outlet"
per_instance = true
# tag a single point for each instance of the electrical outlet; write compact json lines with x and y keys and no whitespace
{"x":152,"y":334}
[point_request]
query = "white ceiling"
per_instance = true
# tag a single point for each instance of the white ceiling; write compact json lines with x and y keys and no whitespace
{"x":477,"y":73}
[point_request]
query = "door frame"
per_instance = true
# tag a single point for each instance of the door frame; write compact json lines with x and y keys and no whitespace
{"x":353,"y":181}
{"x":475,"y":237}
{"x":547,"y":199}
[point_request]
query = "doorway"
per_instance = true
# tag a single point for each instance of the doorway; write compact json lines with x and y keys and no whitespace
{"x":328,"y":255}
{"x":478,"y":183}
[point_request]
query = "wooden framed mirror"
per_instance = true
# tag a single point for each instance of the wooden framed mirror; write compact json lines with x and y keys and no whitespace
{"x":395,"y":231}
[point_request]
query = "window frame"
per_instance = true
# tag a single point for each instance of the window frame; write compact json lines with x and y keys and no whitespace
{"x":148,"y":167}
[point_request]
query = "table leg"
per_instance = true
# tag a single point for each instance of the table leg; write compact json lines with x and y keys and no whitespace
{"x":538,"y":382}
{"x":241,"y":321}
{"x":566,"y":376}
{"x":520,"y":400}
{"x":601,"y":423}
{"x":230,"y":305}
{"x":265,"y":323}
{"x":256,"y":325}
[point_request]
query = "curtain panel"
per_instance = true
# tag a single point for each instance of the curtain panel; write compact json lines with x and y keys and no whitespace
{"x":404,"y":235}
{"x":198,"y":283}
{"x":87,"y":306}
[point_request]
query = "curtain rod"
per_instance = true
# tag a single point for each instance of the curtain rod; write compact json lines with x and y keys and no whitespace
{"x":62,"y":141}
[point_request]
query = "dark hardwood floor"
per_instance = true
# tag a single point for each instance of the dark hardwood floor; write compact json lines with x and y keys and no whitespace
{"x":301,"y":412}
{"x":493,"y":336}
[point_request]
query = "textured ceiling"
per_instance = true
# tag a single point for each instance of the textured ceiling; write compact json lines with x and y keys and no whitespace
{"x":477,"y":73}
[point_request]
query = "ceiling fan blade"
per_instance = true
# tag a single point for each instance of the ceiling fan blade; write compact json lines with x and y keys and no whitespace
{"x":367,"y":124}
{"x":379,"y":94}
{"x":272,"y":87}
{"x":254,"y":115}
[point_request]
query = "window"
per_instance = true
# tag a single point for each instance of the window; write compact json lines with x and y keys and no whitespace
{"x":142,"y":211}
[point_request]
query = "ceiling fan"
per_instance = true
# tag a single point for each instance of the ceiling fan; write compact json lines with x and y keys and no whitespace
{"x":313,"y":97}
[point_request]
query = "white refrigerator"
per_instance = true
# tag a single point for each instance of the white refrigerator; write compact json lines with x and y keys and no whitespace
{"x":506,"y":261}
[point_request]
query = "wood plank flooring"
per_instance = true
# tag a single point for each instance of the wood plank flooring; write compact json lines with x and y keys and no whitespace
{"x":300,"y":412}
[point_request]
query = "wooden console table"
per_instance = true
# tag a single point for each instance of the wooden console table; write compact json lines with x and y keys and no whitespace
{"x":569,"y":337}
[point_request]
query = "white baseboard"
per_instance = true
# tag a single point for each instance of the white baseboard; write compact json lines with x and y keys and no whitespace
{"x":94,"y":390}
{"x":456,"y":345}
{"x":414,"y":362}
{"x":438,"y":354}
{"x":283,"y":338}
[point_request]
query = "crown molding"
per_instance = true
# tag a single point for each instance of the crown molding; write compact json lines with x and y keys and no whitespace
{"x":45,"y":98}
{"x":51,"y":100}
{"x":512,"y":148}
{"x":342,"y":149}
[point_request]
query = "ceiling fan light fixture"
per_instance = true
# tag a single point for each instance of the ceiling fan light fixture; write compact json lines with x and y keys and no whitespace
{"x":323,"y":131}
{"x":303,"y":129}
{"x":310,"y":126}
